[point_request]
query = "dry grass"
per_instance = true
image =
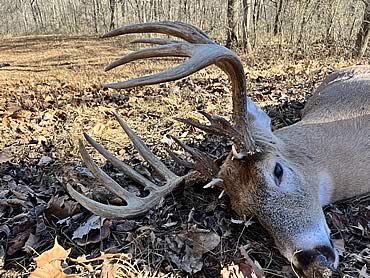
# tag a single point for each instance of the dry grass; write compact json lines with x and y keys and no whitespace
{"x":52,"y":92}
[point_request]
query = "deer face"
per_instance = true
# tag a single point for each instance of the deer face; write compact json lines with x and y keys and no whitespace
{"x":283,"y":195}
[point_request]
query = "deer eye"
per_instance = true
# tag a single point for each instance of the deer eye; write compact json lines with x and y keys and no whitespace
{"x":278,"y":173}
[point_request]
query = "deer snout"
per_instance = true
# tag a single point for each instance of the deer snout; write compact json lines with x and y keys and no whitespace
{"x":317,"y":262}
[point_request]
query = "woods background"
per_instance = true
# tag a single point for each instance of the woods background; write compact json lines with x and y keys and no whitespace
{"x":243,"y":23}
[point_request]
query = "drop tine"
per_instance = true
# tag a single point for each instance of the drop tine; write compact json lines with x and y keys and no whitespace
{"x":214,"y":183}
{"x":222,"y":194}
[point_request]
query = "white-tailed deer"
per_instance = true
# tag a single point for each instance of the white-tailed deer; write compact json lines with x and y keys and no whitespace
{"x":283,"y":178}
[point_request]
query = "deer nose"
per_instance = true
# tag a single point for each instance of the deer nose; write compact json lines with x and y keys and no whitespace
{"x":317,"y":262}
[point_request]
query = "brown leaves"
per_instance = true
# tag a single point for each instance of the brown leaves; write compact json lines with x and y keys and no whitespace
{"x":49,"y":264}
{"x":56,"y":263}
{"x":5,"y":156}
{"x":245,"y":268}
{"x":198,"y":243}
{"x":186,"y":249}
{"x":62,"y":207}
{"x":95,"y":229}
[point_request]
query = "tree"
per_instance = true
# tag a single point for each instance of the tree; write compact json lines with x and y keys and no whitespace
{"x":231,"y":35}
{"x":246,"y":24}
{"x":363,"y":34}
{"x":277,"y":21}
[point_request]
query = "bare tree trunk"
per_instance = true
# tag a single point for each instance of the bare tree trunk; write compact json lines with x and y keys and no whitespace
{"x":112,"y":7}
{"x":231,"y":36}
{"x":363,"y":34}
{"x":246,"y":25}
{"x":95,"y":16}
{"x":332,"y":15}
{"x":277,"y":22}
{"x":308,"y":13}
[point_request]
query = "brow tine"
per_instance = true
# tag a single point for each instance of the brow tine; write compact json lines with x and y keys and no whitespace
{"x":119,"y":164}
{"x":183,"y":31}
{"x":145,"y":151}
{"x":106,"y":180}
{"x":168,"y":50}
{"x":159,"y":41}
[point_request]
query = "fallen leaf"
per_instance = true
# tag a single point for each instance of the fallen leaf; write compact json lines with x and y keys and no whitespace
{"x":199,"y":242}
{"x":44,"y":161}
{"x":5,"y":156}
{"x":95,"y":229}
{"x":17,"y":243}
{"x":62,"y":207}
{"x":109,"y":270}
{"x":339,"y":245}
{"x":49,"y":263}
{"x":363,"y":272}
{"x":250,"y":267}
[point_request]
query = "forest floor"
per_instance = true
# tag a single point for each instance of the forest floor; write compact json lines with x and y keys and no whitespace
{"x":51,"y":92}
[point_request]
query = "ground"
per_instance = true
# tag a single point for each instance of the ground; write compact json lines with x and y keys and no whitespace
{"x":51,"y":92}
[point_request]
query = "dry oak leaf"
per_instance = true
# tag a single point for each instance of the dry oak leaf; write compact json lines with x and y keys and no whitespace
{"x":49,"y":263}
{"x":5,"y":156}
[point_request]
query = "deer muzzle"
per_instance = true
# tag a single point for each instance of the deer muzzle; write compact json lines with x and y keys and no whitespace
{"x":318,"y":262}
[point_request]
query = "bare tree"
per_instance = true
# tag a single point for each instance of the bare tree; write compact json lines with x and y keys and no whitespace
{"x":231,"y":35}
{"x":277,"y":22}
{"x":112,"y":7}
{"x":246,"y":24}
{"x":363,"y":34}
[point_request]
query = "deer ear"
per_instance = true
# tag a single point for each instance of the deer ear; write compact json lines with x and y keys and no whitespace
{"x":259,"y":120}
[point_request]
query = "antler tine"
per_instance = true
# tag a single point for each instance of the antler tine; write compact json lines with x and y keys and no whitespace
{"x":219,"y":126}
{"x":202,"y":56}
{"x":203,"y":163}
{"x":145,"y":151}
{"x":119,"y":164}
{"x":167,"y":50}
{"x":159,"y":41}
{"x":181,"y":30}
{"x":103,"y":178}
{"x":178,"y":160}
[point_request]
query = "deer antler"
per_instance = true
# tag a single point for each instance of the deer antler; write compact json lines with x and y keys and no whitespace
{"x":202,"y":53}
{"x":135,"y":205}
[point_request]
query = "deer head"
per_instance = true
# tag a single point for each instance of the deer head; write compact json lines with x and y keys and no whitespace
{"x":262,"y":175}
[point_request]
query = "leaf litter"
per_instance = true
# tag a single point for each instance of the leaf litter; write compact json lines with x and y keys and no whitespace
{"x":43,"y":115}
